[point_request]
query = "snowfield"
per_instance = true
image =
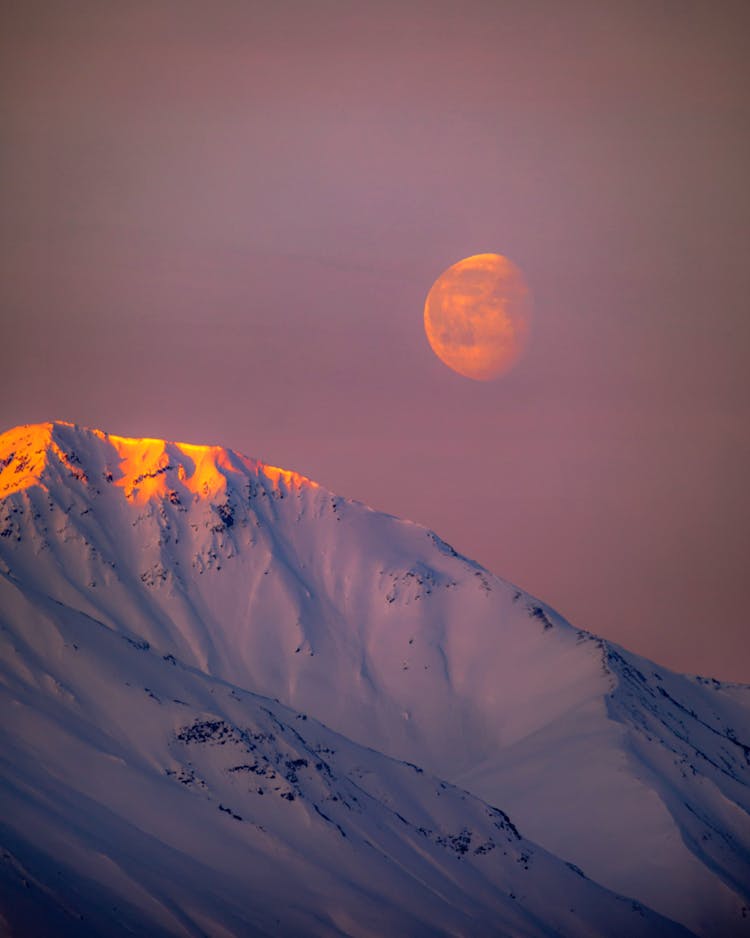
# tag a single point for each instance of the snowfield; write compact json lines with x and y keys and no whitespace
{"x":234,"y":703}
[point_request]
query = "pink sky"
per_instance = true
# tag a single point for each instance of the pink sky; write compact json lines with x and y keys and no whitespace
{"x":219,"y":222}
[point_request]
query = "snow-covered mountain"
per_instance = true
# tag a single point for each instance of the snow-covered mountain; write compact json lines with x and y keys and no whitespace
{"x":236,"y":704}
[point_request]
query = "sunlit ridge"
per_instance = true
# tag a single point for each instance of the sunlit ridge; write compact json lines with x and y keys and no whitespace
{"x":143,"y":468}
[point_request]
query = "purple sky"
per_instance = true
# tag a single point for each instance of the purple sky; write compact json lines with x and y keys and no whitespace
{"x":219,"y":222}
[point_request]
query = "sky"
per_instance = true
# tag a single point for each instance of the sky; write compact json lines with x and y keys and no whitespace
{"x":219,"y":222}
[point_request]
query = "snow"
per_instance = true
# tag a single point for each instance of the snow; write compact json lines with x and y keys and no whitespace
{"x":166,"y":609}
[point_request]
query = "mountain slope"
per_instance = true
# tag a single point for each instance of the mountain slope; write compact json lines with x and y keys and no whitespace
{"x":257,"y":578}
{"x":142,"y":796}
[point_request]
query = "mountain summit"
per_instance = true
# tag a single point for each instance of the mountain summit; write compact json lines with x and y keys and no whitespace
{"x":235,"y":703}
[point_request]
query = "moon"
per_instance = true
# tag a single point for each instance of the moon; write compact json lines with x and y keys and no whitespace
{"x":477,"y":314}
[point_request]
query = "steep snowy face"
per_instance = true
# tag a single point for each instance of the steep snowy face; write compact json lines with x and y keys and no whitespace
{"x":259,"y":576}
{"x":254,"y":576}
{"x":144,"y":797}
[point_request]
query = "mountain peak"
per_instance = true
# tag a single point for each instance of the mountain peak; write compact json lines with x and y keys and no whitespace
{"x":172,"y":615}
{"x":143,"y":468}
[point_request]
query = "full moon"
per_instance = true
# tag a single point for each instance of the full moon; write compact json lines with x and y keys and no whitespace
{"x":476,"y":316}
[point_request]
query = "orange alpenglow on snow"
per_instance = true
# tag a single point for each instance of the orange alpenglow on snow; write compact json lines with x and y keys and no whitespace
{"x":143,"y":468}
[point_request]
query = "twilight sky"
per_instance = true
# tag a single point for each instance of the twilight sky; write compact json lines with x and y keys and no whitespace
{"x":219,"y":222}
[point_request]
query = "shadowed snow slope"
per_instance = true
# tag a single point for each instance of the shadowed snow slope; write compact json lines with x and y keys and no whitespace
{"x":215,"y":674}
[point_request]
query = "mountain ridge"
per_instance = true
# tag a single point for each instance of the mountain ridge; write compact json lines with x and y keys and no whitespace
{"x":139,"y":459}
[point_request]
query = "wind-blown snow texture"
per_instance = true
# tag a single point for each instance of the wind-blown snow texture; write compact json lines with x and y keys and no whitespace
{"x":236,"y":704}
